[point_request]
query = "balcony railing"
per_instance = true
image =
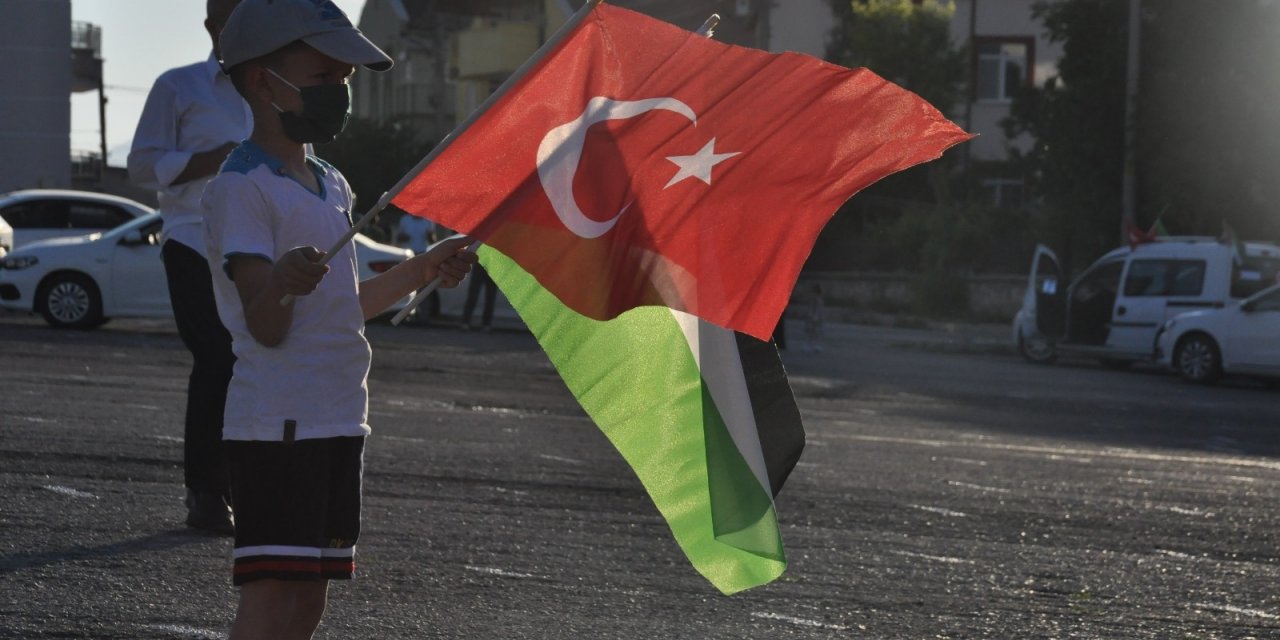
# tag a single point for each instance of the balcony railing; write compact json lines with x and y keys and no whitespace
{"x":86,"y":36}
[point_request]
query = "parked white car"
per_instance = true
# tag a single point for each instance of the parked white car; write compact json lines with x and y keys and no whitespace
{"x":40,"y":214}
{"x":1112,"y":311}
{"x":6,"y":238}
{"x":1242,"y":338}
{"x":82,"y":281}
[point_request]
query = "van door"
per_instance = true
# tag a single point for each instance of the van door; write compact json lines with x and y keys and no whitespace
{"x":1047,"y":294}
{"x":1155,"y":289}
{"x":1092,"y":303}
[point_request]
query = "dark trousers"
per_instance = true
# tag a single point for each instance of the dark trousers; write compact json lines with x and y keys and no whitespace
{"x":480,"y":278}
{"x":196,"y":314}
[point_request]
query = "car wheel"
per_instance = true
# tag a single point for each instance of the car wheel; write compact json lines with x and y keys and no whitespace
{"x":1037,"y":349}
{"x":1198,"y":359}
{"x":70,"y":301}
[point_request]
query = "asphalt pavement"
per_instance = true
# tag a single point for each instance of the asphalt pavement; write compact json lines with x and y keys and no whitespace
{"x":948,"y":490}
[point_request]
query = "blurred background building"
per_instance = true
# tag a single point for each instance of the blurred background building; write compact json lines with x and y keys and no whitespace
{"x":35,"y":105}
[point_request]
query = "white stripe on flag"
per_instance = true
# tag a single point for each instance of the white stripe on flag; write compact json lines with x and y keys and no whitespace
{"x":715,"y":351}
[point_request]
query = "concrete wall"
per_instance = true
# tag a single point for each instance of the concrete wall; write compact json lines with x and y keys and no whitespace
{"x":801,"y":25}
{"x":35,"y":94}
{"x":991,"y":297}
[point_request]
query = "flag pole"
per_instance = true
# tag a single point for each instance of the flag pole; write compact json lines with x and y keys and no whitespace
{"x":554,"y":41}
{"x":708,"y":28}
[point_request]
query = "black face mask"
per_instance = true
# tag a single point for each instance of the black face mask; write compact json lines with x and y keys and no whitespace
{"x":325,"y":110}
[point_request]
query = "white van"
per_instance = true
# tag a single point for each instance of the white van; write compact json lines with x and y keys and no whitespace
{"x":1112,"y":311}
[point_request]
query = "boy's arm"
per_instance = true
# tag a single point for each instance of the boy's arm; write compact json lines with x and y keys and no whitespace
{"x":447,"y":259}
{"x":262,"y":284}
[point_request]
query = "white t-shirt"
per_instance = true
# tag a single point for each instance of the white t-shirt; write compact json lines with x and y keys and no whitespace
{"x":317,"y":377}
{"x":190,"y":109}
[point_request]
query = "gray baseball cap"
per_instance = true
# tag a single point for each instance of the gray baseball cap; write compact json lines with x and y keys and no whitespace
{"x":258,"y":27}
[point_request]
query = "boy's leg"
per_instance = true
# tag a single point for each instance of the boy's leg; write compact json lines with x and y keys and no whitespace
{"x":279,"y":609}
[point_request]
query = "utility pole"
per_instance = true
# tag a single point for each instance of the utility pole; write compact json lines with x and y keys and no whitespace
{"x":1129,"y":187}
{"x":102,"y":122}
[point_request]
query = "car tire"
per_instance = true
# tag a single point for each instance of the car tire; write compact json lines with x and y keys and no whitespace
{"x":70,"y":301}
{"x":1198,"y":359}
{"x":1037,"y":350}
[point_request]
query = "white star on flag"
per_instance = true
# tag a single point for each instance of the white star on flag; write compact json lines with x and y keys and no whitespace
{"x":699,"y":164}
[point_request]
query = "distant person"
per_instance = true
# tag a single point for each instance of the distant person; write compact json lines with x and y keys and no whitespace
{"x":815,"y":320}
{"x":298,"y":404}
{"x":416,"y":232}
{"x":192,"y":119}
{"x":479,"y":280}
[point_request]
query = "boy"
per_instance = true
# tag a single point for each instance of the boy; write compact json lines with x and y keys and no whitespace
{"x":298,"y":403}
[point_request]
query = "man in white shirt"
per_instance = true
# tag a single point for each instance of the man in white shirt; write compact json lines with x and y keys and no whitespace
{"x":192,"y":119}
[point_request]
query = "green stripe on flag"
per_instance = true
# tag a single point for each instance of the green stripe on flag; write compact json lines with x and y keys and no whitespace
{"x":637,"y":378}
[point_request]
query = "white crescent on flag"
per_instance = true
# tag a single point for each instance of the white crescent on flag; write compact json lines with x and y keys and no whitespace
{"x":561,"y":151}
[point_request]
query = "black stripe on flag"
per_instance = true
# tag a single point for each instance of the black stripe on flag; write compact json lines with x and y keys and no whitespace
{"x":774,"y":405}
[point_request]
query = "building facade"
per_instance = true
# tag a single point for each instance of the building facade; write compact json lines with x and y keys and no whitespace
{"x":35,"y":104}
{"x":1008,"y":50}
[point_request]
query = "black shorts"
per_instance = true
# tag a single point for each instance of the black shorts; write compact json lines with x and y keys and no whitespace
{"x":297,"y":508}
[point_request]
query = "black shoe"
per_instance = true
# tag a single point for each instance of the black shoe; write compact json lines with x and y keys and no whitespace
{"x":209,"y":511}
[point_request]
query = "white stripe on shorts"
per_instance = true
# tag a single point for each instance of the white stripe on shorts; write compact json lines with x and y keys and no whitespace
{"x":277,"y":550}
{"x":297,"y":552}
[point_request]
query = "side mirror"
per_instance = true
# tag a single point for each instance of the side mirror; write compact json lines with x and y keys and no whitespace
{"x":1249,"y":307}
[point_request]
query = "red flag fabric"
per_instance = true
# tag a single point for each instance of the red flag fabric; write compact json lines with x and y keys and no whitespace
{"x":641,"y":164}
{"x":1134,"y":235}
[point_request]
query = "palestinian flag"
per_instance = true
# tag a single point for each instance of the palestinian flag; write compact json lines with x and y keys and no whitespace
{"x":704,"y":416}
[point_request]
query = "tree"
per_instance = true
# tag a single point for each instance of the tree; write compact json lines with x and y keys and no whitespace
{"x":1207,"y":125}
{"x":909,"y":44}
{"x":1076,"y":122}
{"x":905,"y":42}
{"x":373,"y":157}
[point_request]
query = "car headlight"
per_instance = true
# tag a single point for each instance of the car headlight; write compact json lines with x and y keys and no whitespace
{"x":15,"y":263}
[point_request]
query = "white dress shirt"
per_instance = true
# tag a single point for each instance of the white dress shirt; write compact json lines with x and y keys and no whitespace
{"x":190,"y":109}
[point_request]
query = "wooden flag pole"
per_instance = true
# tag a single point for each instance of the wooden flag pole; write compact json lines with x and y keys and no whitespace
{"x":546,"y":48}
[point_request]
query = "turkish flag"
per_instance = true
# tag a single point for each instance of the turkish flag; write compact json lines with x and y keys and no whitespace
{"x":641,"y":164}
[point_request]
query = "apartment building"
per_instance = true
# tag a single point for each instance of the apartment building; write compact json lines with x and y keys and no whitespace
{"x":1009,"y":50}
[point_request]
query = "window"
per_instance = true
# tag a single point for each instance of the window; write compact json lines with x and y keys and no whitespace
{"x":1003,"y":192}
{"x":1099,"y":284}
{"x":1256,"y":274}
{"x":1003,"y":66}
{"x":92,"y":215}
{"x":37,"y":214}
{"x":1269,"y":302}
{"x":1165,"y":278}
